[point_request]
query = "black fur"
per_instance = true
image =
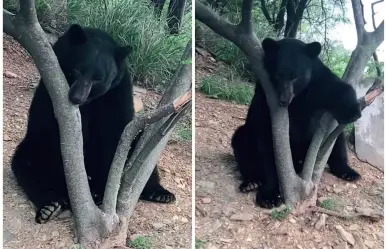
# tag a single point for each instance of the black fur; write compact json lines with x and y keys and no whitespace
{"x":94,"y":67}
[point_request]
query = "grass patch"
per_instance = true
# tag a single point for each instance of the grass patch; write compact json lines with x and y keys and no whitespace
{"x":141,"y":242}
{"x":199,"y":243}
{"x":329,"y":204}
{"x":184,"y":131}
{"x":281,"y":213}
{"x":218,"y":87}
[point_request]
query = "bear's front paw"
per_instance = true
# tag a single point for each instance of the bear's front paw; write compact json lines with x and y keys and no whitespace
{"x":347,"y":115}
{"x":48,"y":212}
{"x":268,"y":198}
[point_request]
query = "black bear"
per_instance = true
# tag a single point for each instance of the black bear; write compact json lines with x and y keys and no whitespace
{"x":93,"y":64}
{"x":307,"y":87}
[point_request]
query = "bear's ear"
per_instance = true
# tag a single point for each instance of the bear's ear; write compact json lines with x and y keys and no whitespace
{"x":76,"y":34}
{"x":123,"y":52}
{"x":269,"y":45}
{"x":313,"y":49}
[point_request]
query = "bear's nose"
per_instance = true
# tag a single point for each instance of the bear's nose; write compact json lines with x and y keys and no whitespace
{"x":283,"y":103}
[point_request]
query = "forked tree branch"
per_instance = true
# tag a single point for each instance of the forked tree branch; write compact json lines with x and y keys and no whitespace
{"x":25,"y":28}
{"x":251,"y":47}
{"x":328,"y":143}
{"x":129,"y":134}
{"x":153,"y":140}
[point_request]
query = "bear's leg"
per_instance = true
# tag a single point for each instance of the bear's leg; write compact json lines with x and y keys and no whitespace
{"x":47,"y":194}
{"x":245,"y":160}
{"x":338,"y":161}
{"x":268,"y":195}
{"x":153,"y":191}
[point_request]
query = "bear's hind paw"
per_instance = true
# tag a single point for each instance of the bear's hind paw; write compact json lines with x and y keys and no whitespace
{"x":48,"y":212}
{"x":163,"y":196}
{"x":246,"y":187}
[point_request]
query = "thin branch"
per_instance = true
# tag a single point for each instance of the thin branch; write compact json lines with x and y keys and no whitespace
{"x":373,"y":12}
{"x":213,"y":21}
{"x":9,"y":23}
{"x":359,"y":20}
{"x":127,"y":137}
{"x":378,"y":34}
{"x":314,"y":147}
{"x":266,"y":12}
{"x":247,"y":16}
{"x":377,"y":65}
{"x":28,"y":11}
{"x":280,"y":20}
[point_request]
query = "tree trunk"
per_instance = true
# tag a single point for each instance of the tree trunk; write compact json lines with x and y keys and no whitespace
{"x":175,"y":16}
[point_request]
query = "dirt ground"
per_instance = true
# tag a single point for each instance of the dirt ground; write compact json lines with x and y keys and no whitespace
{"x":226,"y":218}
{"x":167,"y":226}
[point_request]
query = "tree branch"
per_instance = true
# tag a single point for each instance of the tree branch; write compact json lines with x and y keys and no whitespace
{"x":373,"y":12}
{"x":213,"y":21}
{"x":127,"y":137}
{"x":28,"y":11}
{"x":153,"y":140}
{"x":247,"y":16}
{"x":377,"y":66}
{"x":28,"y":32}
{"x":266,"y":12}
{"x":359,"y":19}
{"x":314,"y":147}
{"x":280,"y":20}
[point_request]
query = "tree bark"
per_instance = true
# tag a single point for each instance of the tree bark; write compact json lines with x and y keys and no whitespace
{"x":175,"y":16}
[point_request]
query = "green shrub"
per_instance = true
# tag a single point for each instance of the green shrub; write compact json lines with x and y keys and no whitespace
{"x":156,"y":54}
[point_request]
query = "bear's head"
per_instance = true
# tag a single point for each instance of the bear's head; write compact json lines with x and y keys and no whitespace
{"x":289,"y":63}
{"x":91,"y":61}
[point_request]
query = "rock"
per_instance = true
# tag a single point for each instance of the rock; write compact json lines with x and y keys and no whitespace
{"x":206,"y":184}
{"x":6,"y":138}
{"x":227,"y":211}
{"x":206,"y":200}
{"x":184,"y":219}
{"x":293,"y":221}
{"x":337,"y":190}
{"x":217,"y":224}
{"x":353,"y":227}
{"x":134,"y":236}
{"x":369,"y":243}
{"x":342,"y":245}
{"x":321,"y":222}
{"x":158,"y":226}
{"x":369,"y":145}
{"x":345,"y":235}
{"x":65,"y":214}
{"x":55,"y":234}
{"x":370,"y":213}
{"x":138,"y":105}
{"x":138,"y":90}
{"x":10,"y":75}
{"x":242,"y":217}
{"x":7,"y":236}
